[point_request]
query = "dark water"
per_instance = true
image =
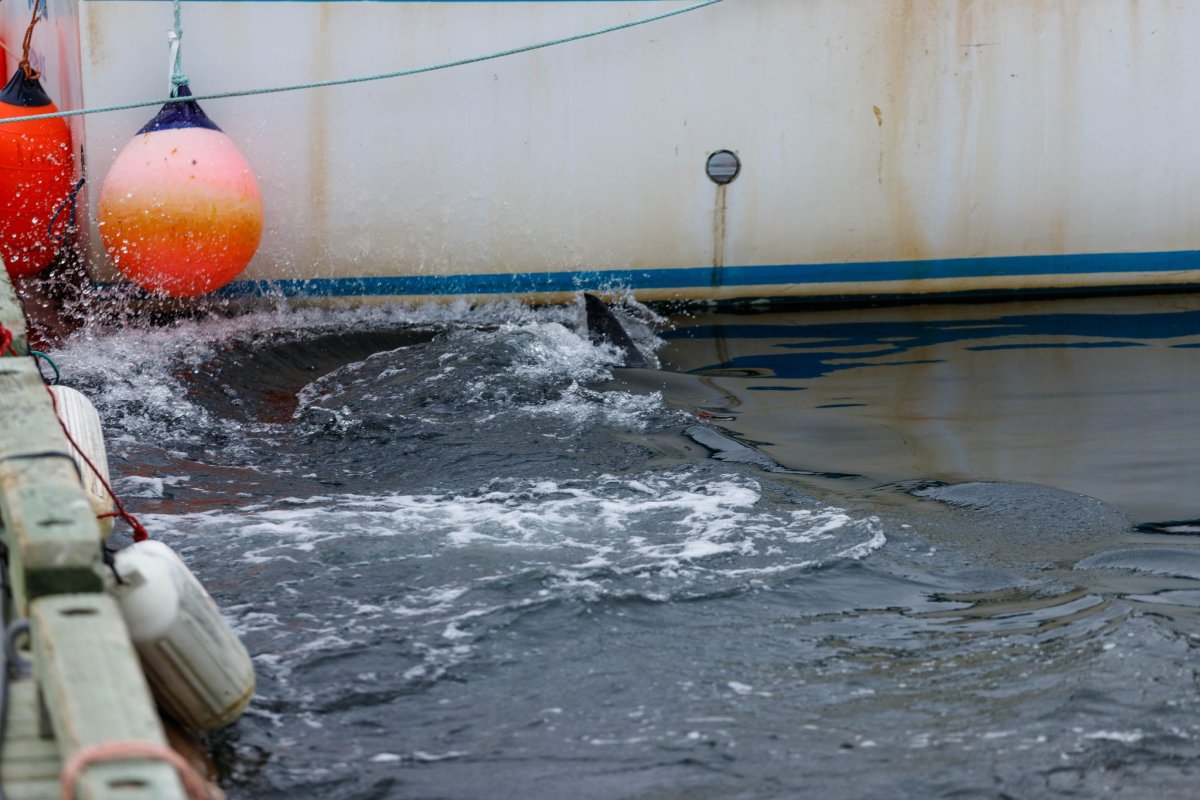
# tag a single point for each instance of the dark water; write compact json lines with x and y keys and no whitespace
{"x":927,"y":552}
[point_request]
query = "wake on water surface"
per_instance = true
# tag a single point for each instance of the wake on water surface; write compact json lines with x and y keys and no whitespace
{"x":471,"y":558}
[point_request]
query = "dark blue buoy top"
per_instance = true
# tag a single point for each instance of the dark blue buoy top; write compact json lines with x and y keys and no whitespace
{"x":183,"y":114}
{"x":25,"y":92}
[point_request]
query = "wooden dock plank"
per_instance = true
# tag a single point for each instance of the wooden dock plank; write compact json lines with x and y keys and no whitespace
{"x":88,"y":687}
{"x":49,"y":525}
{"x":78,"y":638}
{"x":34,"y":790}
{"x":29,"y":764}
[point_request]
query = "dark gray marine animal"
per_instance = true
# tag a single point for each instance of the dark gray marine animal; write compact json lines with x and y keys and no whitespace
{"x":603,"y":328}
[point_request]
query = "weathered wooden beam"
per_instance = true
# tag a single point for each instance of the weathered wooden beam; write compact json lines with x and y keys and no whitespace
{"x":87,"y":679}
{"x":48,"y":524}
{"x":95,"y":693}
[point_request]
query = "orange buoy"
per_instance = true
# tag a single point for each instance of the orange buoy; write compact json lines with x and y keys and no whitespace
{"x":180,"y":210}
{"x":35,"y":175}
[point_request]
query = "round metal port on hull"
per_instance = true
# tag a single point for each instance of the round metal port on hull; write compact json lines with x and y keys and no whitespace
{"x":723,"y":166}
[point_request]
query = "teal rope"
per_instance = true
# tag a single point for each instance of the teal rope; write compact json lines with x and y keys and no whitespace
{"x":176,"y":38}
{"x":365,"y":78}
{"x":38,"y":354}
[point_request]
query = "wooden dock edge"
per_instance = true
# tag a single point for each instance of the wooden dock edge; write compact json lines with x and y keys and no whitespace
{"x":87,"y":686}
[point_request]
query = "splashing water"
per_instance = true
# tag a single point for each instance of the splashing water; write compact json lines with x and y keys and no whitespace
{"x":471,"y":558}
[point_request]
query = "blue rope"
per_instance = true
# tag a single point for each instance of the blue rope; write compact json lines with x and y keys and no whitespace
{"x":40,"y":356}
{"x":365,"y":78}
{"x":68,"y":204}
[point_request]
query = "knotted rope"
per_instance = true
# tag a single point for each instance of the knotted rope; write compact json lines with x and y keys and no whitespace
{"x":30,"y":73}
{"x":175,"y":41}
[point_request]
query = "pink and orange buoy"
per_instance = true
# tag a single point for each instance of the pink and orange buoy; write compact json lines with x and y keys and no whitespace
{"x":180,"y":212}
{"x":36,"y":170}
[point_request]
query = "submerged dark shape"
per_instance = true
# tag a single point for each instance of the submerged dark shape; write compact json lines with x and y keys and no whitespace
{"x":1027,"y":525}
{"x":1185,"y":527}
{"x":725,"y":448}
{"x":603,"y":328}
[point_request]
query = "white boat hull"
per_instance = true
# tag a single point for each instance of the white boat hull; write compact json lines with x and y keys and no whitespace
{"x":888,"y":147}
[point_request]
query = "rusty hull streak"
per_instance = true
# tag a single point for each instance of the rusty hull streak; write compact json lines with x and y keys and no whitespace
{"x":879,"y":166}
{"x":906,"y":53}
{"x":720,"y":212}
{"x":95,"y":39}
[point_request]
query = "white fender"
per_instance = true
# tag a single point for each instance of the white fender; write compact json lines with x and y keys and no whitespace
{"x":198,"y":669}
{"x":82,"y":420}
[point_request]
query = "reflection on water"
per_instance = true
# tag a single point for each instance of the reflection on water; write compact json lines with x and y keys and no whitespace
{"x":1096,"y":397}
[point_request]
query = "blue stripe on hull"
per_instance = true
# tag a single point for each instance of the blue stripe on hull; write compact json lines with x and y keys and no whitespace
{"x":687,"y":278}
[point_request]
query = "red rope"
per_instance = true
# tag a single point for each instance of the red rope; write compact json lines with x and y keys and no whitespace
{"x":139,"y":532}
{"x":31,"y":74}
{"x":107,"y":752}
{"x":6,"y":340}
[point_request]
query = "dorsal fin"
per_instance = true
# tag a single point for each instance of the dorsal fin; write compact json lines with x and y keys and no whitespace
{"x":603,"y":328}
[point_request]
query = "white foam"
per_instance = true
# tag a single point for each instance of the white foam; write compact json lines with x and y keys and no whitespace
{"x":428,"y":758}
{"x":653,"y":536}
{"x":386,"y":758}
{"x":139,"y":486}
{"x":1124,"y":737}
{"x":613,"y":408}
{"x":138,"y":376}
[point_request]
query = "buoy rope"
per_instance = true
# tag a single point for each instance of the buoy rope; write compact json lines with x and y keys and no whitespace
{"x":295,"y":87}
{"x":139,"y":531}
{"x":40,"y":356}
{"x":175,"y":39}
{"x":107,"y":752}
{"x":30,"y":73}
{"x":70,"y":201}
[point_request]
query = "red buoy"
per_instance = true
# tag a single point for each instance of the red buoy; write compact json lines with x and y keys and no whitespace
{"x":35,"y":175}
{"x":180,"y":210}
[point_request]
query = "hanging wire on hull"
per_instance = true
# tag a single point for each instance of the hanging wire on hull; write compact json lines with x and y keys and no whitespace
{"x":367,"y":78}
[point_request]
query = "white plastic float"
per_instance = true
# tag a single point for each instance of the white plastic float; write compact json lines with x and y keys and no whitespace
{"x":197,"y":667}
{"x":82,"y":421}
